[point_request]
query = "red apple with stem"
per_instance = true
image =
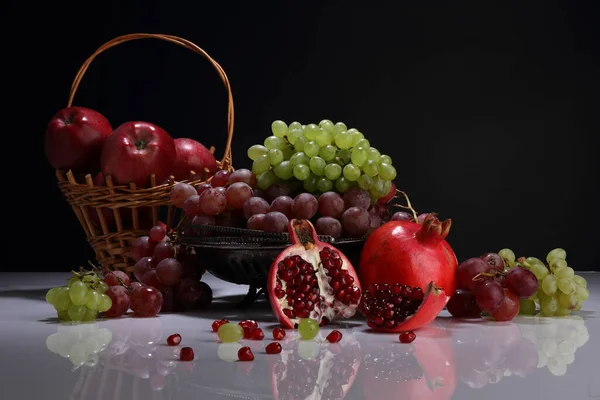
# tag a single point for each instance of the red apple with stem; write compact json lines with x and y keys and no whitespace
{"x":134,"y":151}
{"x":74,"y":139}
{"x":193,"y":156}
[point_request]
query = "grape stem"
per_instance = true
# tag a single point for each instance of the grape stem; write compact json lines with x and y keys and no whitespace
{"x":479,"y":276}
{"x":409,"y":207}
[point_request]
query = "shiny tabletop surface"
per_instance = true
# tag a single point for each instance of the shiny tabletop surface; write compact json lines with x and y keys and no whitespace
{"x":127,"y":359}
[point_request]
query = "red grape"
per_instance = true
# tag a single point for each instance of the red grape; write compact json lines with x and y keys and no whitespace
{"x":402,"y":216}
{"x":169,"y":303}
{"x":150,"y":278}
{"x":202,"y":187}
{"x":356,"y":221}
{"x":255,"y":205}
{"x":469,"y":269}
{"x":522,"y":282}
{"x":283,"y":204}
{"x":142,"y":247}
{"x":202,"y":220}
{"x":112,"y":278}
{"x":509,"y":308}
{"x":180,"y":192}
{"x":193,"y":294}
{"x":276,"y":190}
{"x":305,"y":206}
{"x":213,"y":202}
{"x":146,"y":301}
{"x":462,"y":304}
{"x":275,"y":221}
{"x":259,"y":193}
{"x":220,"y":178}
{"x":331,"y":204}
{"x":356,"y":197}
{"x":494,"y":260}
{"x":489,"y":296}
{"x":375,"y":223}
{"x":134,"y":285}
{"x":256,"y":222}
{"x":163,"y":250}
{"x":389,"y":196}
{"x":191,"y":206}
{"x":237,"y":193}
{"x":157,"y":233}
{"x":228,"y":220}
{"x":120,"y":301}
{"x":421,"y":218}
{"x":168,"y":272}
{"x":242,"y":175}
{"x":142,"y":266}
{"x":329,"y":226}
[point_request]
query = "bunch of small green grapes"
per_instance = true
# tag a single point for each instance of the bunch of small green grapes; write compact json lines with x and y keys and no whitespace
{"x":323,"y":157}
{"x":560,"y":290}
{"x":81,"y":298}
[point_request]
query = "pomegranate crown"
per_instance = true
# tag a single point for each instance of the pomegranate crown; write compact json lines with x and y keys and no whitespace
{"x":433,"y":229}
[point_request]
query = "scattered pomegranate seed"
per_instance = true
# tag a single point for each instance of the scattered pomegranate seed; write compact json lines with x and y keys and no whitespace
{"x":407,"y":337}
{"x":245,"y":354}
{"x":257,"y":334}
{"x":334,"y":337}
{"x":247,"y":332}
{"x":218,"y":323}
{"x":248,"y":323}
{"x":186,"y":354}
{"x":174,"y":339}
{"x":273,"y":348}
{"x":278,"y":333}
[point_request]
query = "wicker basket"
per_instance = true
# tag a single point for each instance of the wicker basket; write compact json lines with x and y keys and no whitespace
{"x":112,"y":245}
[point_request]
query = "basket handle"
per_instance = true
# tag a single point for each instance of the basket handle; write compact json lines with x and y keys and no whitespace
{"x":226,"y":161}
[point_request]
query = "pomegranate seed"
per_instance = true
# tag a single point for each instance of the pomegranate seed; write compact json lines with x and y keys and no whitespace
{"x":387,"y":305}
{"x":334,"y":337}
{"x":245,"y":354}
{"x":247,"y":332}
{"x":407,"y":337}
{"x":273,"y":348}
{"x":278,"y":334}
{"x":174,"y":339}
{"x":218,"y":323}
{"x":248,"y":323}
{"x":186,"y":354}
{"x":257,"y":334}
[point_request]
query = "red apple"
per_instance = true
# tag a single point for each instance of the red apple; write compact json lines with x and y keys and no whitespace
{"x":192,"y":156}
{"x":134,"y":151}
{"x":74,"y":138}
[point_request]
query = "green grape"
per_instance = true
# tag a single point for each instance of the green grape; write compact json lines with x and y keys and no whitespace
{"x":76,"y":313}
{"x":363,"y":143}
{"x":294,"y":134}
{"x":261,"y":164}
{"x":90,"y":279}
{"x":288,"y":152}
{"x":359,"y":156}
{"x":568,"y":301}
{"x":274,"y":142}
{"x":300,"y":142}
{"x":344,"y":155}
{"x":279,"y":128}
{"x":582,"y":294}
{"x":351,"y":172}
{"x":556,"y":253}
{"x":365,"y":182}
{"x":323,"y":137}
{"x":578,"y":306}
{"x":275,"y":156}
{"x":311,"y":131}
{"x":340,"y":127}
{"x":356,"y":136}
{"x":90,"y":314}
{"x":78,"y":292}
{"x":566,"y":285}
{"x":580,"y":281}
{"x":540,"y":271}
{"x":326,"y":125}
{"x":549,"y":284}
{"x":527,"y":307}
{"x":385,"y":159}
{"x":284,"y":170}
{"x":256,"y":151}
{"x":370,"y":168}
{"x":72,"y":280}
{"x":266,"y":179}
{"x":333,"y":171}
{"x":62,"y":300}
{"x":378,"y":189}
{"x":229,"y":333}
{"x":102,"y":287}
{"x":327,"y":152}
{"x":105,"y":303}
{"x":530,"y":261}
{"x":324,"y":185}
{"x":387,"y":172}
{"x":310,"y":183}
{"x":373,"y":154}
{"x":387,"y":186}
{"x":301,"y":172}
{"x":342,"y":184}
{"x":508,"y":256}
{"x":299,"y":158}
{"x":303,"y":126}
{"x":311,"y":149}
{"x":63,"y":315}
{"x":295,"y":125}
{"x":343,"y":140}
{"x":566,"y":272}
{"x":308,"y":328}
{"x":562,"y":312}
{"x":549,"y":306}
{"x":317,"y":165}
{"x":51,"y":294}
{"x":92,"y":299}
{"x":557,"y":263}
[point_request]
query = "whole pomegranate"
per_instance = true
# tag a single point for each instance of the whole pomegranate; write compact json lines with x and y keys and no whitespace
{"x":311,"y":279}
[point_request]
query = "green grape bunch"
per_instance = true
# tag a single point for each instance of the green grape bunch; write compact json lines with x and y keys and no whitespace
{"x":322,"y":157}
{"x":560,"y":290}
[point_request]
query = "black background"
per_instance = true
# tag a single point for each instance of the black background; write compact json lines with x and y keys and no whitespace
{"x":489,"y":109}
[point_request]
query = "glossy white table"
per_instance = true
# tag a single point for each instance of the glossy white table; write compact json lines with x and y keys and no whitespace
{"x":530,"y":358}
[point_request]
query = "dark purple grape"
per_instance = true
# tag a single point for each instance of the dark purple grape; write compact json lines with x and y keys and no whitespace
{"x":469,"y":269}
{"x":275,"y":221}
{"x":202,"y":187}
{"x":402,"y":216}
{"x":356,"y":221}
{"x":255,"y":205}
{"x":305,"y":206}
{"x":331,"y":204}
{"x":276,"y":190}
{"x":212,"y":201}
{"x":463,"y":305}
{"x":256,"y":222}
{"x":521,"y":282}
{"x":494,"y":260}
{"x":283,"y":204}
{"x":356,"y":197}
{"x":329,"y":226}
{"x":236,"y":194}
{"x":489,"y":295}
{"x":242,"y":175}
